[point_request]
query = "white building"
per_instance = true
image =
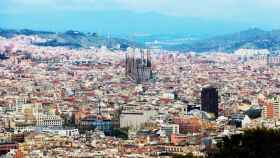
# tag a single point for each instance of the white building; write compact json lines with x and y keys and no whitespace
{"x":168,"y":129}
{"x":246,"y":121}
{"x":50,"y":121}
{"x":63,"y":132}
{"x":20,"y":101}
{"x":135,"y":119}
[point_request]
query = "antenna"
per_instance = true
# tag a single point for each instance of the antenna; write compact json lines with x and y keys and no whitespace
{"x":99,"y":106}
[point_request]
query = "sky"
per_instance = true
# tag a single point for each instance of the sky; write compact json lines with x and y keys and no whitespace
{"x":141,"y":16}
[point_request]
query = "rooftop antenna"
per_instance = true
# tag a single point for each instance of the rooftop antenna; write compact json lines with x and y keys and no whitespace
{"x":99,"y":93}
{"x":99,"y":106}
{"x":133,"y":39}
{"x":109,"y":40}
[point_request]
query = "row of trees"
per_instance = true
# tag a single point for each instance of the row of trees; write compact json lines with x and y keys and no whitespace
{"x":253,"y":143}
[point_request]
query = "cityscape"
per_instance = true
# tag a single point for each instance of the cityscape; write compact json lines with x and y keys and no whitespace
{"x":76,"y":93}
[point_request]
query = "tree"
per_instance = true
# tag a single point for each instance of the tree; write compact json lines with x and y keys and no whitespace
{"x":120,"y":133}
{"x":253,"y":143}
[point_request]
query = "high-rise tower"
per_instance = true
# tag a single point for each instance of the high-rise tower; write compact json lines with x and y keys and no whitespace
{"x":210,"y":100}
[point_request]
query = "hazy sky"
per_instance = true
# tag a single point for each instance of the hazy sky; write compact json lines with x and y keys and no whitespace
{"x":123,"y":15}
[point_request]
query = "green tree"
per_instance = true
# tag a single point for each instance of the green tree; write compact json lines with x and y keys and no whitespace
{"x":120,"y":133}
{"x":254,"y":143}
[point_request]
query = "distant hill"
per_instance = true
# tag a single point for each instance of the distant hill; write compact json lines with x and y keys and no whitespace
{"x":251,"y":39}
{"x":71,"y":39}
{"x":9,"y":33}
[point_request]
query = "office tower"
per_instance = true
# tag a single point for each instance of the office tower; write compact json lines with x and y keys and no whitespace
{"x":209,"y":100}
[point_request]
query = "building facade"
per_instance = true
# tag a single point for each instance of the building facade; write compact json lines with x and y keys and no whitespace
{"x":210,"y":100}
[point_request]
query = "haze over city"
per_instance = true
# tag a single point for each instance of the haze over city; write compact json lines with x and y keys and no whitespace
{"x":139,"y":79}
{"x":208,"y":17}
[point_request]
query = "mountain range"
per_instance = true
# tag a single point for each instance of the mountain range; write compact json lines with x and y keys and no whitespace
{"x":249,"y":39}
{"x":253,"y":38}
{"x":71,"y":39}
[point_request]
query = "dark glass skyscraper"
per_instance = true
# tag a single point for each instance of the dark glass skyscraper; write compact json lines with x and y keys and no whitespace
{"x":210,"y":100}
